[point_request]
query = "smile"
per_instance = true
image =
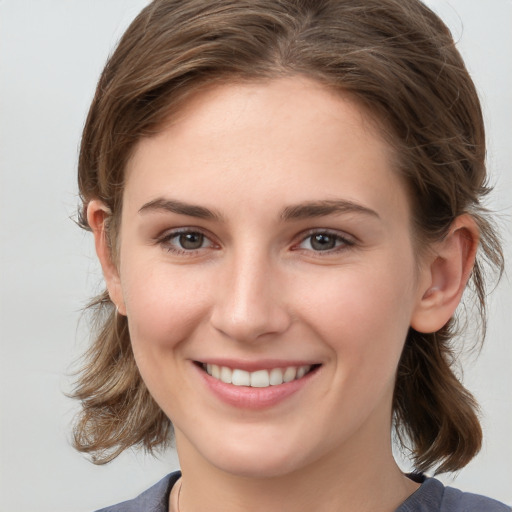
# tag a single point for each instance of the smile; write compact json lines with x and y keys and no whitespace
{"x":259,"y":378}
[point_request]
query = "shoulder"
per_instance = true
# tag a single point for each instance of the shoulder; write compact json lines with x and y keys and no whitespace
{"x":433,"y":496}
{"x":154,"y":499}
{"x":455,"y":500}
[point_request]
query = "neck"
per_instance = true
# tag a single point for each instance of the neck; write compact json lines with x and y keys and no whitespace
{"x":345,"y":481}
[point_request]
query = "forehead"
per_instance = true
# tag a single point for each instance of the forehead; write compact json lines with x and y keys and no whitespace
{"x":291,"y":138}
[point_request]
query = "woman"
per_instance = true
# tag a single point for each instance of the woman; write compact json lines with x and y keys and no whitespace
{"x":285,"y":200}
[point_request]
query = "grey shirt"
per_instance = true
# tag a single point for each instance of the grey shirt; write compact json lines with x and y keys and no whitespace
{"x":432,"y":496}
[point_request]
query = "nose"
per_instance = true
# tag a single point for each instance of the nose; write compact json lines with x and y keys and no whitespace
{"x":250,"y":303}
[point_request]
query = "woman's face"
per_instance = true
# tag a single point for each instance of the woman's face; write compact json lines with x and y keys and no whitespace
{"x":268,"y":274}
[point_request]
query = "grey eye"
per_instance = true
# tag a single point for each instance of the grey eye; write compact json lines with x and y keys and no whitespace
{"x":323,"y":241}
{"x":191,"y":241}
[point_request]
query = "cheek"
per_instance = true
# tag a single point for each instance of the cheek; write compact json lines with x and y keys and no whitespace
{"x":163,"y":305}
{"x":164,"y":309}
{"x":364,"y":313}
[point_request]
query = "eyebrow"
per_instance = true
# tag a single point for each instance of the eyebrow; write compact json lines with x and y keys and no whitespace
{"x":321,"y":208}
{"x":300,"y":211}
{"x":179,"y":207}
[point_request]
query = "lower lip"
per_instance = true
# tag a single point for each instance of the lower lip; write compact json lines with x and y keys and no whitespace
{"x":247,"y":397}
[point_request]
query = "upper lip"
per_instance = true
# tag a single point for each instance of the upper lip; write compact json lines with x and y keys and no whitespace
{"x":253,"y":366}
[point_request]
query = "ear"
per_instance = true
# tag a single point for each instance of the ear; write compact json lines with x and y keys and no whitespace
{"x":97,"y":217}
{"x":445,"y":275}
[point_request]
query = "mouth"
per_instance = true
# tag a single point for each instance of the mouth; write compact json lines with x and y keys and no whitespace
{"x":257,"y":379}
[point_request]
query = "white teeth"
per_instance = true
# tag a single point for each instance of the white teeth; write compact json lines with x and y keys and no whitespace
{"x":260,"y":379}
{"x":226,"y":374}
{"x":241,"y":378}
{"x":257,"y":379}
{"x":276,"y":376}
{"x":290,"y":374}
{"x":301,"y":371}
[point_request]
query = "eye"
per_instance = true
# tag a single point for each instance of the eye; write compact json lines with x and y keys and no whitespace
{"x":185,"y":241}
{"x":323,"y":241}
{"x":190,"y":241}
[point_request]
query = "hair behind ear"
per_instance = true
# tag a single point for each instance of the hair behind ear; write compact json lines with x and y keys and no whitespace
{"x":434,"y":413}
{"x":117,"y":410}
{"x":433,"y":410}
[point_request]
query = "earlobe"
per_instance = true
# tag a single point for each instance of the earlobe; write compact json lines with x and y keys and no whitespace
{"x":98,"y":215}
{"x":445,"y":275}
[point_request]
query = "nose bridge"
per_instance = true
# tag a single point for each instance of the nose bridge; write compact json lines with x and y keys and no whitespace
{"x":251,"y":300}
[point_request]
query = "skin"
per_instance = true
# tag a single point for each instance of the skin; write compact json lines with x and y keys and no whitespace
{"x":257,"y":289}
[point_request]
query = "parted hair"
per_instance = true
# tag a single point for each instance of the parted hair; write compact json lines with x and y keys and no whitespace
{"x":394,"y":57}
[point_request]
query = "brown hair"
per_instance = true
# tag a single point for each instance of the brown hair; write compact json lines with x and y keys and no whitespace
{"x":395,"y":57}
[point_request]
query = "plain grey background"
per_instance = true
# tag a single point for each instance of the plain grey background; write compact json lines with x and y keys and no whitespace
{"x":51,"y":54}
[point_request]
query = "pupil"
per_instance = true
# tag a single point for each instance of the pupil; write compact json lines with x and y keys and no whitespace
{"x":191,"y":240}
{"x":322,"y":242}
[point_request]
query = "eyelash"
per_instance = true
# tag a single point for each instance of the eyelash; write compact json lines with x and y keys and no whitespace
{"x":166,"y":241}
{"x":342,"y":242}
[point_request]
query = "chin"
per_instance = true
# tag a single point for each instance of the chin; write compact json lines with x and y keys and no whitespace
{"x":257,"y":459}
{"x":258,"y":467}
